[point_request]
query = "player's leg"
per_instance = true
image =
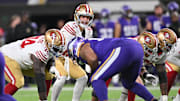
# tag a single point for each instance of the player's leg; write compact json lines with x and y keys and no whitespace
{"x":61,"y":76}
{"x":131,"y":95}
{"x":172,"y":71}
{"x":177,"y":98}
{"x":128,"y":81}
{"x":108,"y":67}
{"x":3,"y":97}
{"x":2,"y":80}
{"x":49,"y":78}
{"x":124,"y":94}
{"x":94,"y":97}
{"x":79,"y":74}
{"x":13,"y":75}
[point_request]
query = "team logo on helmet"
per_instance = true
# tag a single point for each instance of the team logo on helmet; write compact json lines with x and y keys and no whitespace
{"x":167,"y":39}
{"x":147,"y":39}
{"x":166,"y":35}
{"x":55,"y":41}
{"x":149,"y":44}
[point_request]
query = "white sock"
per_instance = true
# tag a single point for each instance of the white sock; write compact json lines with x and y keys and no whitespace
{"x":79,"y":88}
{"x":115,"y":79}
{"x":177,"y":98}
{"x":124,"y":94}
{"x":57,"y":87}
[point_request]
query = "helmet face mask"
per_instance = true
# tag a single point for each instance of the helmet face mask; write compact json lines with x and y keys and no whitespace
{"x":167,"y":39}
{"x":149,"y":44}
{"x":55,"y":42}
{"x":86,"y":11}
{"x":127,"y":11}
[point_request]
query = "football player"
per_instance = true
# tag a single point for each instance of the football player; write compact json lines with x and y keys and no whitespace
{"x":172,"y":8}
{"x":31,"y":57}
{"x":104,"y":26}
{"x":154,"y":22}
{"x":173,"y":68}
{"x":167,"y":39}
{"x":3,"y":96}
{"x":128,"y":25}
{"x":64,"y":67}
{"x":108,"y":57}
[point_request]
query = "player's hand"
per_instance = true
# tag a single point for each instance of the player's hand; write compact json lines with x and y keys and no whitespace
{"x":151,"y":79}
{"x":52,"y":69}
{"x":163,"y":98}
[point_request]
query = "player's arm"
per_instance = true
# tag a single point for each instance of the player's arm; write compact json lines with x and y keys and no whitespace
{"x":50,"y":63}
{"x":148,"y":26}
{"x":87,"y":54}
{"x":140,"y":26}
{"x":117,"y":30}
{"x":162,"y":78}
{"x":39,"y":71}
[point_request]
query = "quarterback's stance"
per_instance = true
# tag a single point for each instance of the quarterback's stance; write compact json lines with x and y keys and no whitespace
{"x":31,"y":57}
{"x":3,"y":97}
{"x":64,"y":67}
{"x":116,"y":55}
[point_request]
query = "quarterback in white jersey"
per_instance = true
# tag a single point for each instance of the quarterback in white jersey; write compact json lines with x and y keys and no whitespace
{"x":65,"y":67}
{"x":30,"y":57}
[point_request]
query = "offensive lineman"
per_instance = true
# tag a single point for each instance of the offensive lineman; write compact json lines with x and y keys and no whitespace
{"x":31,"y":57}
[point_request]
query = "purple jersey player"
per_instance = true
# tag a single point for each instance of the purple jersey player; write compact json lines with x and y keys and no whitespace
{"x":104,"y":27}
{"x":155,"y":22}
{"x":172,"y":7}
{"x":108,"y":57}
{"x":3,"y":96}
{"x":128,"y":25}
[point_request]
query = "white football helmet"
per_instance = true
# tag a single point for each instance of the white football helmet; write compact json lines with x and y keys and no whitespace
{"x":83,"y":10}
{"x":55,"y":42}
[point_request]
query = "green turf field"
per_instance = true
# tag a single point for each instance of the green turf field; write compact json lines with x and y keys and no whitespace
{"x":30,"y":94}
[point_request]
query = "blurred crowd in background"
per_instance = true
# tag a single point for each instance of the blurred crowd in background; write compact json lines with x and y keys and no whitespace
{"x":107,"y":24}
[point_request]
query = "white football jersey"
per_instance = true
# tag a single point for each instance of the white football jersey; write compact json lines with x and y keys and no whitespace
{"x":158,"y":59}
{"x":70,"y":30}
{"x":20,"y":51}
{"x":174,"y":56}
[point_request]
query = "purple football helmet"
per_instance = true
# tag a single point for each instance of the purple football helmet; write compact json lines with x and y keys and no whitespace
{"x":126,"y":8}
{"x":173,"y":6}
{"x":127,"y":11}
{"x":105,"y":12}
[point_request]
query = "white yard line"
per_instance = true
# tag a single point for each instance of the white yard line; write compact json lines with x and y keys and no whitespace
{"x":90,"y":88}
